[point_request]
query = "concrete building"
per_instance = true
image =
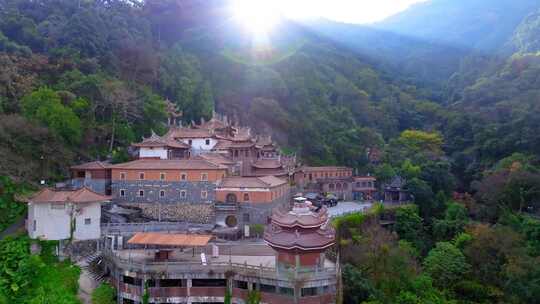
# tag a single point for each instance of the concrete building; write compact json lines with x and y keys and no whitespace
{"x":363,"y":188}
{"x":189,"y":268}
{"x":65,"y":214}
{"x":328,"y":180}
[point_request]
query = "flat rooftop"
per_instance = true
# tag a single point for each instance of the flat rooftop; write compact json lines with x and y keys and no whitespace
{"x":252,"y":254}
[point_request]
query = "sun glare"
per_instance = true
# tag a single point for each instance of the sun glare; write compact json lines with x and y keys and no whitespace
{"x":258,"y":17}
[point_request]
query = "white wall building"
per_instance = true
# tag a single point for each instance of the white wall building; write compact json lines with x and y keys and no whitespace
{"x":62,"y":214}
{"x":151,"y":152}
{"x":199,"y":145}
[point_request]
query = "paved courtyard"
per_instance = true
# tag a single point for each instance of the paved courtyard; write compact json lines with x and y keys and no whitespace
{"x":348,"y":207}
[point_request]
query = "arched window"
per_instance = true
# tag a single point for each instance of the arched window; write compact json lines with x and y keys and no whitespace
{"x":246,"y":197}
{"x":338,"y":186}
{"x":331,"y":186}
{"x":231,"y":198}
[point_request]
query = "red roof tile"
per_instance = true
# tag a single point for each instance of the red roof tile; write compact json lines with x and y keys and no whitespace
{"x":167,"y":164}
{"x":169,"y":239}
{"x":95,"y":165}
{"x":267,"y":164}
{"x":251,"y":182}
{"x":79,"y":196}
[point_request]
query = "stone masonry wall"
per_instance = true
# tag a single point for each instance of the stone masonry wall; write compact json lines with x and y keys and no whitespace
{"x":172,"y":190}
{"x":192,"y":213}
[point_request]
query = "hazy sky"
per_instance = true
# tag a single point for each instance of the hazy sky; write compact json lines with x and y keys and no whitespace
{"x":351,"y":11}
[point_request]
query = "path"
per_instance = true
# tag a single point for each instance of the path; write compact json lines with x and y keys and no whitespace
{"x":18,"y":225}
{"x":86,"y":283}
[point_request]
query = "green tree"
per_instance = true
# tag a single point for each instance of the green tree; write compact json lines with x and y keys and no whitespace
{"x":410,"y":227}
{"x":104,"y":294}
{"x":446,"y":264}
{"x":45,"y":106}
{"x":453,"y":223}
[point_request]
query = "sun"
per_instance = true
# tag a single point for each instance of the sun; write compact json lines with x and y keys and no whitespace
{"x":257,"y":16}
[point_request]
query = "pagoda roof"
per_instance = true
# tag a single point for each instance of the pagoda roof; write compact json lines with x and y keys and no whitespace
{"x":299,"y":239}
{"x":267,"y":164}
{"x":79,"y":196}
{"x":303,"y":215}
{"x":158,"y":141}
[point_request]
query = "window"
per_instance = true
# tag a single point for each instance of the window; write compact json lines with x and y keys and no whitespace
{"x":141,"y":193}
{"x":331,"y":186}
{"x":204,"y":177}
{"x":267,"y":288}
{"x":35,"y":225}
{"x":183,"y":176}
{"x":241,"y":284}
{"x":122,"y":193}
{"x":309,"y":292}
{"x":246,"y":197}
{"x":338,"y":186}
{"x":123,"y":175}
{"x":207,"y":142}
{"x":204,"y":194}
{"x":310,"y":176}
{"x":87,"y":221}
{"x":183,"y":194}
{"x":286,"y":291}
{"x":141,"y":175}
{"x":170,"y":283}
{"x":162,"y":193}
{"x":80,"y":174}
{"x":235,"y":153}
{"x":162,"y":176}
{"x":190,"y":142}
{"x":88,"y":175}
{"x":245,"y":217}
{"x":58,"y":206}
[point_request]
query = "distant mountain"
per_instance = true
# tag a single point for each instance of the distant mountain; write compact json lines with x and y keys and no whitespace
{"x":478,"y":24}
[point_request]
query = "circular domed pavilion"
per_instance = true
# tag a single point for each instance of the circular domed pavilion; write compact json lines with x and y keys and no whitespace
{"x":300,"y":236}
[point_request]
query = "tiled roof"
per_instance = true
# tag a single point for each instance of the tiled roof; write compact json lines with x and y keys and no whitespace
{"x":95,"y":165}
{"x":267,"y":164}
{"x":157,"y":141}
{"x":167,"y":164}
{"x":215,"y":158}
{"x":169,"y":239}
{"x":242,"y":144}
{"x":222,"y":144}
{"x":303,"y":239}
{"x":251,"y":182}
{"x":309,"y":219}
{"x":188,"y":133}
{"x":272,"y":180}
{"x":79,"y":196}
{"x":212,"y":124}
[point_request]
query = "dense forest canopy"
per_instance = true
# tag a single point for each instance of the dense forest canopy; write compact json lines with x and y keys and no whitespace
{"x":450,"y":100}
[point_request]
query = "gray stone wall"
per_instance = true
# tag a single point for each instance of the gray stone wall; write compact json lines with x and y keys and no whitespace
{"x":183,"y":212}
{"x":152,"y":191}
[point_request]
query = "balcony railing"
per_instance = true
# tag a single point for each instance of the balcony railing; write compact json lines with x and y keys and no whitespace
{"x":181,"y":267}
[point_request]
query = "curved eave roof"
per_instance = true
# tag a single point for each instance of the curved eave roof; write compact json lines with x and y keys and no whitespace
{"x":302,"y":240}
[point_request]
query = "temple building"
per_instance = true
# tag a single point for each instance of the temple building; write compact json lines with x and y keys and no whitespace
{"x":243,"y":201}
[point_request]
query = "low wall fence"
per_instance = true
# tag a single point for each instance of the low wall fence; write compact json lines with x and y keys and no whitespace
{"x":131,"y":228}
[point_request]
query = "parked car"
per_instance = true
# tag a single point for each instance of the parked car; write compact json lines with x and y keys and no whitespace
{"x":331,"y":200}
